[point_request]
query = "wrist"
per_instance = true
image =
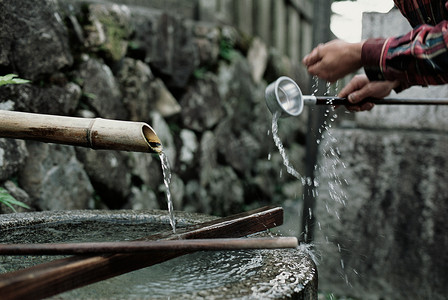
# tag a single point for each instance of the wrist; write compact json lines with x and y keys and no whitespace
{"x":356,"y":52}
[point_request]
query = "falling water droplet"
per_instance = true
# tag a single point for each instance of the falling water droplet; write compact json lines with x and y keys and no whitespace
{"x":315,"y":86}
{"x":309,"y":181}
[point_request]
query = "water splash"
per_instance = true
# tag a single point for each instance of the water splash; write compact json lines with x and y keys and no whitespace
{"x":330,"y":166}
{"x":166,"y":169}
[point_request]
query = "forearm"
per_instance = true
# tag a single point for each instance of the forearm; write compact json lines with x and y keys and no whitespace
{"x":417,"y":58}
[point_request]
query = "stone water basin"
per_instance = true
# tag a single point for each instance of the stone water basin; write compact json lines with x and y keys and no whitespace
{"x":249,"y":274}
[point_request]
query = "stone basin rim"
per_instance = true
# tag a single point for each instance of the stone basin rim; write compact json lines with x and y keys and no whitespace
{"x":14,"y":220}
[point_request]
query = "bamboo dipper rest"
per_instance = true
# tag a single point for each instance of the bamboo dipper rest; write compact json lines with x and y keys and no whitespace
{"x":148,"y":246}
{"x":86,"y":132}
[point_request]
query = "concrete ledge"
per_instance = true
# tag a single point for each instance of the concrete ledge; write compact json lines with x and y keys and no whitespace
{"x":381,"y":213}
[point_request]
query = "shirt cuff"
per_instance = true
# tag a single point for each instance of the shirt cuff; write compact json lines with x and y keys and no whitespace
{"x":371,"y":58}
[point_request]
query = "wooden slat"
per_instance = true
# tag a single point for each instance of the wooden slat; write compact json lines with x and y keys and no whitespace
{"x":279,"y":26}
{"x":262,"y":20}
{"x":61,"y":275}
{"x":244,"y":15}
{"x":293,"y":34}
{"x":303,"y":7}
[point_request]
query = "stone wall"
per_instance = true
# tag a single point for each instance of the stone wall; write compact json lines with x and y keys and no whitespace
{"x":283,"y":24}
{"x":199,"y":85}
{"x":382,"y":198}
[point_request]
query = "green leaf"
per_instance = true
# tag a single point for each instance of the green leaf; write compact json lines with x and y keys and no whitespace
{"x":11,"y":79}
{"x":199,"y":73}
{"x":90,"y":95}
{"x":7,"y":77}
{"x":13,"y":201}
{"x":226,"y":50}
{"x":9,"y":205}
{"x":9,"y":200}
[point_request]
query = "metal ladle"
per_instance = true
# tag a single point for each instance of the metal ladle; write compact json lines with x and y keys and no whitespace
{"x":285,"y":96}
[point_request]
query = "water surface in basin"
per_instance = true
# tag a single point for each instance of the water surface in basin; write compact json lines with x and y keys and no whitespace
{"x":71,"y":231}
{"x":250,"y":274}
{"x":183,"y":275}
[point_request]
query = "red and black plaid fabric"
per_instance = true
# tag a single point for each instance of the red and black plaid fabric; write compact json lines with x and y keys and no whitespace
{"x":419,"y":57}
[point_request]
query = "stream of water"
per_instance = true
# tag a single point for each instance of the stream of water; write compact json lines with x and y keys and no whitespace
{"x":166,"y":169}
{"x":289,"y":167}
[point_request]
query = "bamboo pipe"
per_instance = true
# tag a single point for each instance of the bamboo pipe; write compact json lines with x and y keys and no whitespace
{"x":94,"y":133}
{"x":148,"y":246}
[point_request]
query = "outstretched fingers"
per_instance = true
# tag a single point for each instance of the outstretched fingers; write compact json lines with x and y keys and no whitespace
{"x":314,"y":57}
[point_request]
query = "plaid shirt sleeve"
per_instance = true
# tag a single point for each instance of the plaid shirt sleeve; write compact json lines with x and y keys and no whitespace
{"x":419,"y":57}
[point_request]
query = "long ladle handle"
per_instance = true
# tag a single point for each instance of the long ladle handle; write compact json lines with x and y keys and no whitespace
{"x":325,"y":100}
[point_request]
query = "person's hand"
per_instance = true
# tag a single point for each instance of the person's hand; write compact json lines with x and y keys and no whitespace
{"x":334,"y":60}
{"x":360,"y":88}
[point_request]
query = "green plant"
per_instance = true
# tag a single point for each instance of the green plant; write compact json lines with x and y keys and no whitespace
{"x":90,"y":95}
{"x":174,"y":128}
{"x":98,"y":202}
{"x":226,"y":49}
{"x":200,"y":73}
{"x":133,"y":45}
{"x":9,"y":201}
{"x":5,"y":197}
{"x":11,"y":79}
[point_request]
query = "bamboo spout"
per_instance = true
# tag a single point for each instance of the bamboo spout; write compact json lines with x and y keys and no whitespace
{"x":92,"y":133}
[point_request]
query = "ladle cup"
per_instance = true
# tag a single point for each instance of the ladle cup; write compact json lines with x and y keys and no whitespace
{"x":284,"y":96}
